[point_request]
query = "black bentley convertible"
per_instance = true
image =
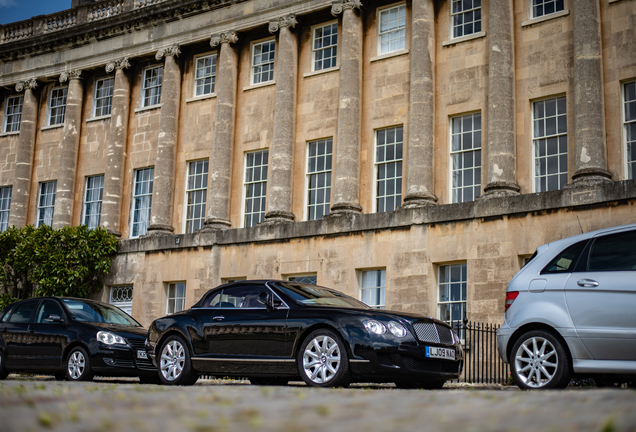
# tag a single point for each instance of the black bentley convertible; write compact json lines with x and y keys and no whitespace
{"x":275,"y":331}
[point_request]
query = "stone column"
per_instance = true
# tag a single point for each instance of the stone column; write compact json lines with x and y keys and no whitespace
{"x":346,"y":188}
{"x":163,"y":187}
{"x":220,"y":178}
{"x":116,"y":156}
{"x":420,"y":181}
{"x":65,"y":192}
{"x":502,"y":152}
{"x":24,"y":155}
{"x":590,"y":159}
{"x":281,"y":155}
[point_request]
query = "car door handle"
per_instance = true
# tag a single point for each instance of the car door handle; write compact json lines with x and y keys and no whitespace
{"x":218,"y":318}
{"x":587,"y":283}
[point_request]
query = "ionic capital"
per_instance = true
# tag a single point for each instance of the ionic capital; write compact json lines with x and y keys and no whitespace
{"x":285,"y":21}
{"x":70,"y":75}
{"x":338,"y":7}
{"x":172,"y":51}
{"x":30,"y":84}
{"x":228,"y":37}
{"x":117,"y":64}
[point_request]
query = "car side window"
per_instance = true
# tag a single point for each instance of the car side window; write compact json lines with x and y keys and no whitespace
{"x":22,"y":313}
{"x":241,"y":297}
{"x":614,"y":252}
{"x":566,"y":260}
{"x":47,"y":308}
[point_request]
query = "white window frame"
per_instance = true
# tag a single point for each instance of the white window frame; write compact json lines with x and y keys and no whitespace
{"x":7,"y":116}
{"x":463,"y":292}
{"x":90,"y":200}
{"x":196,"y":80}
{"x":535,"y":140}
{"x":380,"y":11}
{"x":61,"y":107}
{"x":328,"y":158}
{"x":453,"y":16}
{"x":314,"y":51}
{"x":134,"y":201}
{"x":116,"y":297}
{"x":376,"y":170}
{"x":246,"y":185}
{"x":5,"y":206}
{"x":173,"y":298}
{"x":532,"y":8}
{"x":108,"y":97}
{"x":452,"y":153}
{"x":46,"y":220}
{"x":188,"y":190}
{"x":380,"y":288}
{"x":253,"y":72}
{"x":626,"y":134}
{"x":144,"y":89}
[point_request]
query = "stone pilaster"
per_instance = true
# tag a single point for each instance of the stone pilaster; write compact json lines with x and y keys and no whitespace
{"x":163,"y":186}
{"x":501,"y":150}
{"x":590,"y":158}
{"x":346,"y":188}
{"x":24,"y":155}
{"x":220,"y":178}
{"x":420,"y":181}
{"x":281,"y":154}
{"x":65,"y":193}
{"x":116,"y":156}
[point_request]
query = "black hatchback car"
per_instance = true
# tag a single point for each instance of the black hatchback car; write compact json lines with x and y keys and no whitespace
{"x":72,"y":338}
{"x":276,"y":331}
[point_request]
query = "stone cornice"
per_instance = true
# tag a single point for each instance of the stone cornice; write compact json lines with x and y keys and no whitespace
{"x":122,"y":64}
{"x":70,"y":75}
{"x":228,"y":37}
{"x":30,"y":84}
{"x":284,"y":21}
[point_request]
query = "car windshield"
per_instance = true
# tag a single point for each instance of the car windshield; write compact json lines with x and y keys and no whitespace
{"x":98,"y":313}
{"x":320,"y":296}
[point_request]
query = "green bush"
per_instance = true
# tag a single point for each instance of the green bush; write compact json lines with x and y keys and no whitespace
{"x":70,"y":261}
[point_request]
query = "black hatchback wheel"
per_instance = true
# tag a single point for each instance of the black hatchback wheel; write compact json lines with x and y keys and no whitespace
{"x":175,"y":367}
{"x":323,"y":360}
{"x":78,"y":365}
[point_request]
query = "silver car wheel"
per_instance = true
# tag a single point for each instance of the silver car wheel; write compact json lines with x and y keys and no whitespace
{"x":321,"y":359}
{"x":172,"y":360}
{"x":536,"y":362}
{"x":76,"y":365}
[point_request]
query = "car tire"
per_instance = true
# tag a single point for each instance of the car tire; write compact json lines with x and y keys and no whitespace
{"x":175,"y":366}
{"x":268,"y":381}
{"x":4,"y":373}
{"x":424,"y":385}
{"x":323,"y":361}
{"x":539,"y":361}
{"x":78,"y":365}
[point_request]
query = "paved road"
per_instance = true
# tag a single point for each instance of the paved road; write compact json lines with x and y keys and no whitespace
{"x":210,"y":406}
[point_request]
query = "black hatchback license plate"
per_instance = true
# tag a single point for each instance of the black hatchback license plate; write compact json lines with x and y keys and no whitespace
{"x":142,"y":355}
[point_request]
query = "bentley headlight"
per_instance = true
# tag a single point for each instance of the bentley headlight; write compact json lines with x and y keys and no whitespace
{"x":375,"y":327}
{"x":397,"y":329}
{"x":109,"y":338}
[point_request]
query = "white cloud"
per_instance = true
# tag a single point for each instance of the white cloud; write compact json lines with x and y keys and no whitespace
{"x":7,"y":3}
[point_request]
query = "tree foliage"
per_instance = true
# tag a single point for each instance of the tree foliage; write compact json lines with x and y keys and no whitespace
{"x":69,"y":261}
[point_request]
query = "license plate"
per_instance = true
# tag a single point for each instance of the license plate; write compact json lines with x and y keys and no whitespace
{"x":443,"y":353}
{"x":142,"y":354}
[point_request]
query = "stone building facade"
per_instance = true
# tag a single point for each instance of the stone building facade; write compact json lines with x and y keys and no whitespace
{"x":412,"y":154}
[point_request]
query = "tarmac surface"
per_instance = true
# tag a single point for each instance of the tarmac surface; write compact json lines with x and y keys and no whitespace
{"x":43,"y":404}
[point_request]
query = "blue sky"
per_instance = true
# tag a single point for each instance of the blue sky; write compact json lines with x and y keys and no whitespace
{"x":18,"y":10}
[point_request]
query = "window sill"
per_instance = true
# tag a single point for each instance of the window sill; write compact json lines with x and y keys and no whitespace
{"x":204,"y":97}
{"x":92,"y":119}
{"x":148,"y":108}
{"x":255,"y":86}
{"x":389,"y":55}
{"x":613,"y":1}
{"x":9,"y":134}
{"x":52,"y":127}
{"x":320,"y":72}
{"x":467,"y":38}
{"x":533,"y":21}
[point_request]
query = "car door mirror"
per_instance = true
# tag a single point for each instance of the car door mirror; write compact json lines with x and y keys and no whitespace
{"x":263,"y":298}
{"x":51,"y":318}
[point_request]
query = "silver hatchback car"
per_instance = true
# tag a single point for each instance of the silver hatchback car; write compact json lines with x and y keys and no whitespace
{"x":571,"y":312}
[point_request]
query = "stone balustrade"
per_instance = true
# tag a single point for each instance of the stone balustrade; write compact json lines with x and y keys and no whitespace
{"x":105,"y":9}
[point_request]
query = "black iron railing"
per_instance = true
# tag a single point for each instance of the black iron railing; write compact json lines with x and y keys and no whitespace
{"x":482,"y":363}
